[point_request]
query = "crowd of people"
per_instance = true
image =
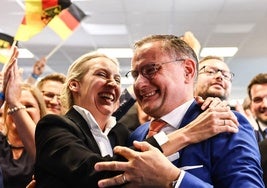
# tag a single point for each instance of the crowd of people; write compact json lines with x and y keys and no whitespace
{"x":74,"y":130}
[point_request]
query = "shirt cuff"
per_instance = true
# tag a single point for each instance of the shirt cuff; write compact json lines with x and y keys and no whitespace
{"x":179,"y":181}
{"x":161,"y":138}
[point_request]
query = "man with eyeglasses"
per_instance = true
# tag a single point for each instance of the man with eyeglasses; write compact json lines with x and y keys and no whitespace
{"x":214,"y":78}
{"x":165,"y":70}
{"x":51,"y":86}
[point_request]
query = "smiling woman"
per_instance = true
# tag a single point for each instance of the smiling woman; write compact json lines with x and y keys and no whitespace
{"x":90,"y":94}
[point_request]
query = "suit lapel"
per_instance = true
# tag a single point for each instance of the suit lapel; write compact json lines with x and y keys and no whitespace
{"x":80,"y":122}
{"x":193,"y":111}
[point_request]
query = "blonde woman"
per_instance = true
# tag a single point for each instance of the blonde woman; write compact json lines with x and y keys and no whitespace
{"x":23,"y":108}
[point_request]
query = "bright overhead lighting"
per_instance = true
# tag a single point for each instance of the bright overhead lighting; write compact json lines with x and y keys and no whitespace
{"x":117,"y":52}
{"x":219,"y":51}
{"x":104,"y":29}
{"x":23,"y":53}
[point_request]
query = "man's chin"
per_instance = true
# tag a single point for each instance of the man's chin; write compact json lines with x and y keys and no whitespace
{"x":218,"y":94}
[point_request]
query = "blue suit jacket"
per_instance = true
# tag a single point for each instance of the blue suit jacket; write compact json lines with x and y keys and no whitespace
{"x":229,"y":160}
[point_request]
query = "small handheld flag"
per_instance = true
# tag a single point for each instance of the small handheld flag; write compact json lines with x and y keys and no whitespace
{"x":65,"y":23}
{"x":6,"y":42}
{"x":38,"y":13}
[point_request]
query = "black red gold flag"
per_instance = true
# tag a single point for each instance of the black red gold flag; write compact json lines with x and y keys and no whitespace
{"x":6,"y":42}
{"x":65,"y":23}
{"x":38,"y":13}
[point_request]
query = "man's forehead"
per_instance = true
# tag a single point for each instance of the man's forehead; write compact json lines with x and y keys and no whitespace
{"x":214,"y":63}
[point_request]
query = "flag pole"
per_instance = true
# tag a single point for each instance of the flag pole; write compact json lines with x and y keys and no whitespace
{"x":55,"y":49}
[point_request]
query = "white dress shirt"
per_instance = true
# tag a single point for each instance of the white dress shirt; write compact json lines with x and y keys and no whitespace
{"x":100,"y":136}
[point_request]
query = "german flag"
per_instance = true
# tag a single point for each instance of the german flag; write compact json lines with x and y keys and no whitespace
{"x":6,"y":42}
{"x":38,"y":13}
{"x":66,"y":22}
{"x":44,"y":10}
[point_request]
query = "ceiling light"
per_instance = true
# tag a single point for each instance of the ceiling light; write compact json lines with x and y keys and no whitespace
{"x":117,"y":52}
{"x":219,"y":51}
{"x":104,"y":29}
{"x":23,"y":53}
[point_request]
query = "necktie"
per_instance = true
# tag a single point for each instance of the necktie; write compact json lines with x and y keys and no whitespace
{"x":155,"y":127}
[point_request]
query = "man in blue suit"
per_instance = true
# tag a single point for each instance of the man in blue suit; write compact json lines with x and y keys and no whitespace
{"x":165,"y":70}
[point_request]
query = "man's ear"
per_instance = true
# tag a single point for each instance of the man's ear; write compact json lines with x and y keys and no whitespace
{"x":190,"y":69}
{"x":74,"y":86}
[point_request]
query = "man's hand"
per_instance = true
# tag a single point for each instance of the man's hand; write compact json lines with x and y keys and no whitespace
{"x":192,"y":41}
{"x":212,"y":102}
{"x":148,"y":168}
{"x":39,"y":66}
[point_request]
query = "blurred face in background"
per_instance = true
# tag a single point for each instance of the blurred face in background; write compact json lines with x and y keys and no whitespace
{"x":259,"y":102}
{"x":214,"y":80}
{"x":51,"y":91}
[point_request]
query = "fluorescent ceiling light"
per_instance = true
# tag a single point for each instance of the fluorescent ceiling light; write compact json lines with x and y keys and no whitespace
{"x":117,"y":52}
{"x":219,"y":51}
{"x":104,"y":29}
{"x":23,"y":53}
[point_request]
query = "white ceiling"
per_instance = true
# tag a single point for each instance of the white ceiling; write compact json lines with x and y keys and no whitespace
{"x":216,"y":23}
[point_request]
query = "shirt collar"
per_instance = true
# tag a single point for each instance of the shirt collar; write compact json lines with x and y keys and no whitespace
{"x":92,"y":122}
{"x":174,"y":118}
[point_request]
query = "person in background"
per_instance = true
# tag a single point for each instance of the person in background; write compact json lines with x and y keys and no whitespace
{"x":214,"y":78}
{"x":24,"y":106}
{"x":165,"y":69}
{"x":51,"y":86}
{"x":245,"y":109}
{"x":68,"y":146}
{"x":257,"y":92}
{"x":37,"y":71}
{"x":192,"y":41}
{"x":263,"y":152}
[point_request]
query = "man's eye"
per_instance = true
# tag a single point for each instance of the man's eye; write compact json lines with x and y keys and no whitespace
{"x":257,"y":100}
{"x":50,"y":95}
{"x":134,"y":74}
{"x":150,"y":70}
{"x":210,"y":71}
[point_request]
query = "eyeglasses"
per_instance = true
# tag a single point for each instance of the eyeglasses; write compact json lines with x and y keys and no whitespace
{"x":213,"y":71}
{"x":50,"y":96}
{"x":149,"y":70}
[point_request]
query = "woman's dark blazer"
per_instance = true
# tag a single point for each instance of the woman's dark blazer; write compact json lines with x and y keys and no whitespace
{"x":66,"y":151}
